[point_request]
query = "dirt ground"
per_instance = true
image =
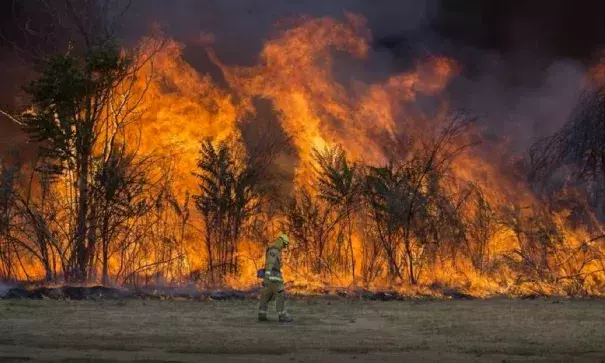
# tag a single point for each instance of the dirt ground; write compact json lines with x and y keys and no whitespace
{"x":325,"y":330}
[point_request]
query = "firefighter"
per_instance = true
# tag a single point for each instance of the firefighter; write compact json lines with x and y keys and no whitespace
{"x":273,"y":283}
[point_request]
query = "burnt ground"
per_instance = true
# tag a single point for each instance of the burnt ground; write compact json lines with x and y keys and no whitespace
{"x":333,"y":330}
{"x":67,"y":292}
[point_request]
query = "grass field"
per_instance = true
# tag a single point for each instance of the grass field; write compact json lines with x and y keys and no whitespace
{"x":325,"y":330}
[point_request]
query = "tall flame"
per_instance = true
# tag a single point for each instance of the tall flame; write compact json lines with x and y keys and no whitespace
{"x":296,"y":72}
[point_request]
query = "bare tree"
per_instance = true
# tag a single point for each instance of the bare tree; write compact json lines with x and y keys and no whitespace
{"x":579,"y":144}
{"x":576,"y":150}
{"x":480,"y":225}
{"x":8,"y":176}
{"x":32,"y":228}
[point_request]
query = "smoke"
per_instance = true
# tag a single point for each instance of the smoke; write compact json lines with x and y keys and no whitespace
{"x":4,"y":289}
{"x":521,"y":63}
{"x":240,"y":27}
{"x":520,"y":73}
{"x":523,"y":112}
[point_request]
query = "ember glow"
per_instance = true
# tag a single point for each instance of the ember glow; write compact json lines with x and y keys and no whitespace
{"x":493,"y":233}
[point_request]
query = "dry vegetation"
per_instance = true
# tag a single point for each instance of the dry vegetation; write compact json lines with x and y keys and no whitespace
{"x":326,"y":330}
{"x":145,"y":171}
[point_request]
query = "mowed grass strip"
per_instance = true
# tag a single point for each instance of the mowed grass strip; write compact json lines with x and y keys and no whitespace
{"x":186,"y":330}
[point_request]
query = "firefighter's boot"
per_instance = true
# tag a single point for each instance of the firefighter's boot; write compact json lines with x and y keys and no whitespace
{"x":284,"y":317}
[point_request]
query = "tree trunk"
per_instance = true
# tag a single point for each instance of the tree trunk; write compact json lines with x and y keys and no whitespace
{"x":105,"y":249}
{"x":105,"y":278}
{"x":91,"y":244}
{"x":350,"y":227}
{"x":80,"y":237}
{"x":209,"y":248}
{"x":48,"y":272}
{"x":410,"y":258}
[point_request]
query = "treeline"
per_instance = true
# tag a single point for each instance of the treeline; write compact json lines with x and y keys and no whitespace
{"x":92,"y":207}
{"x":409,"y":222}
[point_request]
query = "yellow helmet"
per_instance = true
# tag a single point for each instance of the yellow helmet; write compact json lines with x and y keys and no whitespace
{"x":285,"y":239}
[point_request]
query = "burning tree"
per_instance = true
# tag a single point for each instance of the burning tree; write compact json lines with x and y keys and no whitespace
{"x":81,"y":107}
{"x":481,"y":223}
{"x":577,"y":150}
{"x":312,"y":223}
{"x":7,"y":184}
{"x":339,"y":183}
{"x":318,"y":217}
{"x":122,"y":191}
{"x":228,"y":199}
{"x":71,"y":101}
{"x":410,"y":206}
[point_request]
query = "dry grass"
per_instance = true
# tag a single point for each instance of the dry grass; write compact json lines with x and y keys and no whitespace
{"x":338,"y":330}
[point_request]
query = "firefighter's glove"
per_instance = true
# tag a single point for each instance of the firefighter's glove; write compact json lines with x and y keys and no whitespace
{"x":269,"y":276}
